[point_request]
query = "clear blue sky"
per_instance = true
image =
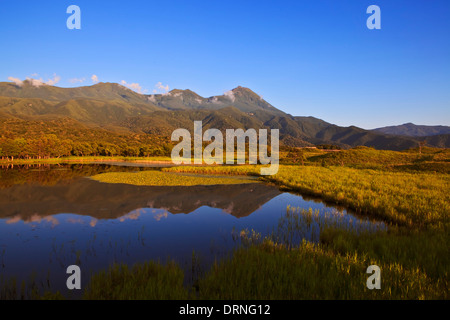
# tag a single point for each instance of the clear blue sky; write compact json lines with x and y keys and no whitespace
{"x":310,"y":57}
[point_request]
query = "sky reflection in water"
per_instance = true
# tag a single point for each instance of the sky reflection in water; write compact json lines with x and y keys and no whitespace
{"x":46,"y":228}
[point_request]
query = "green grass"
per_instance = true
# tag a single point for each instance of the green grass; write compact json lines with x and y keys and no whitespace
{"x":419,"y":199}
{"x":149,"y":281}
{"x":404,"y":198}
{"x":244,"y":170}
{"x":429,"y":159}
{"x":426,"y":251}
{"x":364,"y":156}
{"x":269,"y":271}
{"x":298,"y":224}
{"x":157,"y":178}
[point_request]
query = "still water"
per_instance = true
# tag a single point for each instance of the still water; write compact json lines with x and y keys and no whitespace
{"x":55,"y":216}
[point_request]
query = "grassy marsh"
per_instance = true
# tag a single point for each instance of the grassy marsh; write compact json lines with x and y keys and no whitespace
{"x":157,"y":178}
{"x":407,"y":192}
{"x":404,"y":198}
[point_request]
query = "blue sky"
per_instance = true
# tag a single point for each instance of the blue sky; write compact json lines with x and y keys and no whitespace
{"x":310,"y":58}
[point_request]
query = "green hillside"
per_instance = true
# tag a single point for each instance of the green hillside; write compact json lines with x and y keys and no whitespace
{"x":412,"y":130}
{"x":118,"y":110}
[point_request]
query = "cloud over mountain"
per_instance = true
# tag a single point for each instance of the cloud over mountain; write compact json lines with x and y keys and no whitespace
{"x":36,"y":82}
{"x":160,"y":88}
{"x":133,"y":86}
{"x":17,"y":81}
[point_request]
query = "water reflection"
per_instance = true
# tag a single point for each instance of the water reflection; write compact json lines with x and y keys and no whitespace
{"x":47,"y":224}
{"x":109,"y":201}
{"x":51,"y":174}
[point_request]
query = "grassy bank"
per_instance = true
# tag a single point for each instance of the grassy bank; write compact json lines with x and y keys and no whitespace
{"x":157,"y":178}
{"x":268,"y":271}
{"x":419,"y":199}
{"x":404,"y":198}
{"x":85,"y":160}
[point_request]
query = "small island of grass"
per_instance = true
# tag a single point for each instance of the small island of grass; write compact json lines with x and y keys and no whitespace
{"x":157,"y":178}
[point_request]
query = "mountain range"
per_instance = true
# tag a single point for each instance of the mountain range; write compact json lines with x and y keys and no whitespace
{"x":117,"y":109}
{"x":413,"y":130}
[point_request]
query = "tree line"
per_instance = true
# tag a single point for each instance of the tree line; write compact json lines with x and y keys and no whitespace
{"x":50,"y":146}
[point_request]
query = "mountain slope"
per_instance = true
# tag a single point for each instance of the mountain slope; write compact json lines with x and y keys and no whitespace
{"x":412,"y":130}
{"x":164,"y":122}
{"x":99,"y":91}
{"x":241,"y":98}
{"x":100,"y":104}
{"x":439,"y":141}
{"x":118,"y":109}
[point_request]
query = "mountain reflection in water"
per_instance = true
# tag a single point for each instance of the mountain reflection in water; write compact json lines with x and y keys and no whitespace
{"x":54,"y":217}
{"x":109,"y":201}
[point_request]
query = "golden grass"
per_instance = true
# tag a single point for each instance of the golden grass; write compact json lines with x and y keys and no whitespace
{"x":157,"y":178}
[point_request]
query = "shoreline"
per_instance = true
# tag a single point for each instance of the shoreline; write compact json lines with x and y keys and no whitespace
{"x":162,"y":160}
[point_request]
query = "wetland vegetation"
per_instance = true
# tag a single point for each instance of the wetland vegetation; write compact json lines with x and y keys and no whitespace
{"x":405,"y":192}
{"x":157,"y":178}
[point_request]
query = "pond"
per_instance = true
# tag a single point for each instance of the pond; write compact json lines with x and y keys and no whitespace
{"x":52,"y":217}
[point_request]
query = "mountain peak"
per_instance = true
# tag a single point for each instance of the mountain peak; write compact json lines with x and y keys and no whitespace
{"x":245,"y":93}
{"x":413,"y":130}
{"x":176,"y":91}
{"x":107,"y":85}
{"x":185,"y":94}
{"x":242,"y":89}
{"x":182,"y":91}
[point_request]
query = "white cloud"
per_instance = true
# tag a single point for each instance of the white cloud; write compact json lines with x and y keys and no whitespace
{"x":230,"y":95}
{"x":160,"y":88}
{"x":17,"y":81}
{"x":55,"y":80}
{"x":77,"y":80}
{"x":94,"y":78}
{"x":133,"y":86}
{"x":37,"y":82}
{"x":136,"y":87}
{"x":152,"y":99}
